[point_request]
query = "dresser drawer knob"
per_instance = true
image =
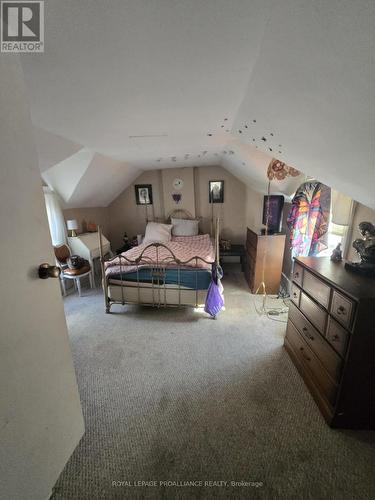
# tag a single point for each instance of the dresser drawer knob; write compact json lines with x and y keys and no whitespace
{"x":304,"y":355}
{"x":295,"y":295}
{"x":306,"y":332}
{"x":296,"y":274}
{"x":341,"y":310}
{"x":335,"y":338}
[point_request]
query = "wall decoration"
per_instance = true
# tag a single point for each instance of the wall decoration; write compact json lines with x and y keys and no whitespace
{"x":143,"y":194}
{"x":178,"y":184}
{"x":91,"y":227}
{"x":216,"y":191}
{"x":279,"y":170}
{"x":177,"y":197}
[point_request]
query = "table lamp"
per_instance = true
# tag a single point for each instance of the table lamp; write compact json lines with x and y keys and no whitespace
{"x":72,"y":226}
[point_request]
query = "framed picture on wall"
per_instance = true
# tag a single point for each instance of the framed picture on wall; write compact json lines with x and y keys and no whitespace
{"x":216,"y":191}
{"x":143,"y":194}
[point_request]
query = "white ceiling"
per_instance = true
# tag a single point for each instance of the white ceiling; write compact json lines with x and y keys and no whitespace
{"x":214,"y":82}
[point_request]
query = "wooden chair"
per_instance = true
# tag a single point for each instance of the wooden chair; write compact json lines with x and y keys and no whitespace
{"x":62,"y":253}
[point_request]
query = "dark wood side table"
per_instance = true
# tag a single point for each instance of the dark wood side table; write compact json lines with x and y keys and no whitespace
{"x":124,"y":248}
{"x":235,"y":251}
{"x":131,"y":243}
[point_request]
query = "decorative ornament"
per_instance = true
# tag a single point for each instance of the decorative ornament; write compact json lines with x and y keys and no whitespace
{"x":176,"y":197}
{"x":336,"y":255}
{"x":365,"y":248}
{"x":92,"y":227}
{"x":279,"y":170}
{"x":178,"y":184}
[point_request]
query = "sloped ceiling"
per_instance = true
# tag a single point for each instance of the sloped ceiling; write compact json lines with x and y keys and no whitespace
{"x":52,"y":149}
{"x":138,"y":85}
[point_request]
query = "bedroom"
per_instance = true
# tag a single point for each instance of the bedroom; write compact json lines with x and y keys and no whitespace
{"x":124,"y":119}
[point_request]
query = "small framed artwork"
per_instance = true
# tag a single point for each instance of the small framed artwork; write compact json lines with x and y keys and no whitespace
{"x":143,"y":194}
{"x":216,"y":191}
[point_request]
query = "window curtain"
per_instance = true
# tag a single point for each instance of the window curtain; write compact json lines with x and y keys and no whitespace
{"x":55,"y":216}
{"x":342,"y":206}
{"x":308,"y":219}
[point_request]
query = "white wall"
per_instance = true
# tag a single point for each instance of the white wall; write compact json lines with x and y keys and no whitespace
{"x":98,"y":215}
{"x":242,"y":206}
{"x":126,"y":215}
{"x":232,"y":212}
{"x":311,"y":87}
{"x":187,"y":192}
{"x":40,"y":414}
{"x":254,"y":209}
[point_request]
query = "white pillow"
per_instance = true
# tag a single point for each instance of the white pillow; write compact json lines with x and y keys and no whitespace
{"x":184,"y":227}
{"x":157,"y":232}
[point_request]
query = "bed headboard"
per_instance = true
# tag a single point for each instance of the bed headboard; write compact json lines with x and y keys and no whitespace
{"x":180,"y":213}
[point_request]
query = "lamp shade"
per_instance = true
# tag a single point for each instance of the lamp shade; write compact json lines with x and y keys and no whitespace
{"x":72,"y":225}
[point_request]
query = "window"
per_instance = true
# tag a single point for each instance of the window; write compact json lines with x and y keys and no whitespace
{"x":336,"y":235}
{"x":55,"y":216}
{"x":341,"y":218}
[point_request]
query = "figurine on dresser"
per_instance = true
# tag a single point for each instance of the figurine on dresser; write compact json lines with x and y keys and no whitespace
{"x":365,"y":247}
{"x":336,"y":255}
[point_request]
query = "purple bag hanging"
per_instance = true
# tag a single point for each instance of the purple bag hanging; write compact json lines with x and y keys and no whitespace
{"x":215,"y":298}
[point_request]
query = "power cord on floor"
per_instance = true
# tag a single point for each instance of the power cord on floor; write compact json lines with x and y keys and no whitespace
{"x":271,"y":312}
{"x":271,"y":316}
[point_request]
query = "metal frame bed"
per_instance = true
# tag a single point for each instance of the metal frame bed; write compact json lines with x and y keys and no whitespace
{"x":156,"y":293}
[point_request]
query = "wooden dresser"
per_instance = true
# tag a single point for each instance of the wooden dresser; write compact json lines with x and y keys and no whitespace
{"x":330,"y":337}
{"x":256,"y":246}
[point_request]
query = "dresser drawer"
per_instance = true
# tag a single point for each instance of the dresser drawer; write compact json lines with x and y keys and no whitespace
{"x":311,"y":363}
{"x":313,"y":312}
{"x":316,"y":288}
{"x":342,"y":309}
{"x":328,"y":357}
{"x":297,"y":274}
{"x":337,"y":337}
{"x":295,"y":294}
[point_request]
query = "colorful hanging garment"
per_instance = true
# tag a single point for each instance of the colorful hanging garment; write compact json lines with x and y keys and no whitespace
{"x":309,"y":218}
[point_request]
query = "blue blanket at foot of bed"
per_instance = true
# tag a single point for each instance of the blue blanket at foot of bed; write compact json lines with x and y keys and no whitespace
{"x":195,"y":279}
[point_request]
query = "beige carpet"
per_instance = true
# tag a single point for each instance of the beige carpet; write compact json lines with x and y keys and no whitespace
{"x":171,"y":395}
